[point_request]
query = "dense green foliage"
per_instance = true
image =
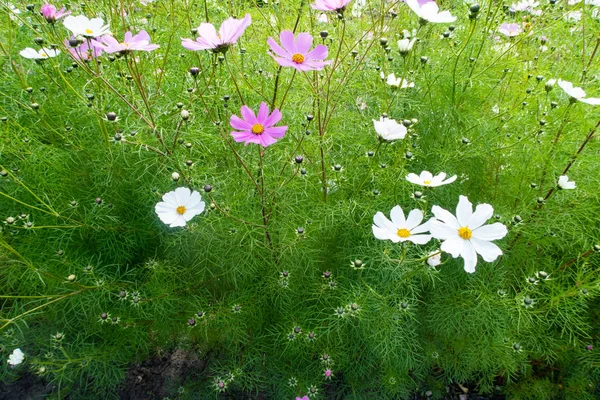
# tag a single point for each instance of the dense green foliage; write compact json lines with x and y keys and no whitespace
{"x":89,"y":186}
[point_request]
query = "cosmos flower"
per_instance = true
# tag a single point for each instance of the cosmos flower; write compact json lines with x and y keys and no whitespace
{"x":466,"y":235}
{"x":43,"y":54}
{"x":510,"y":30}
{"x":296,"y":52}
{"x":208,"y":39}
{"x":428,"y":180}
{"x":15,"y":358}
{"x":401,"y":229}
{"x":397,"y":82}
{"x":140,"y":41}
{"x":83,"y":26}
{"x":577,"y":93}
{"x":434,"y":258}
{"x":83,"y":51}
{"x":564,"y":183}
{"x":259,"y":128}
{"x":330,"y":5}
{"x":302,"y":398}
{"x":388,"y":129}
{"x":406,"y":45}
{"x":430,"y":12}
{"x":49,"y":12}
{"x":179,"y":206}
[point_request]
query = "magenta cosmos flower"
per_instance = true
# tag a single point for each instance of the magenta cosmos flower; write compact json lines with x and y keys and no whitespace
{"x":295,"y":52}
{"x":208,"y":39}
{"x":259,"y":128}
{"x":141,"y":41}
{"x":49,"y":12}
{"x":330,"y":5}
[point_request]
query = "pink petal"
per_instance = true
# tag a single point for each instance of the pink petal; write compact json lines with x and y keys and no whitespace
{"x":238,"y":123}
{"x":277,"y":49}
{"x":274,"y":118}
{"x":303,"y":42}
{"x":287,"y":40}
{"x":276,"y":131}
{"x":263,"y":113}
{"x":320,"y":52}
{"x":248,"y":115}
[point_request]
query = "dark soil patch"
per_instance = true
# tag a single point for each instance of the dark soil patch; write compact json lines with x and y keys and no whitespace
{"x":27,"y":387}
{"x":161,"y":376}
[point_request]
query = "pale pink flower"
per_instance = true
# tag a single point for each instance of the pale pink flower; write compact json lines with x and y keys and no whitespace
{"x":84,"y":51}
{"x":140,"y":41}
{"x":208,"y":39}
{"x":510,"y":30}
{"x":49,"y":12}
{"x":330,"y":5}
{"x":259,"y":128}
{"x":296,"y":52}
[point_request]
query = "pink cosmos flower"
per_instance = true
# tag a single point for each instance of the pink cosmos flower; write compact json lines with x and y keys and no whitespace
{"x":330,"y":5}
{"x":296,"y":54}
{"x":84,"y":52}
{"x":230,"y":31}
{"x":302,"y":398}
{"x":259,"y":128}
{"x":49,"y":12}
{"x":140,"y":41}
{"x":510,"y":30}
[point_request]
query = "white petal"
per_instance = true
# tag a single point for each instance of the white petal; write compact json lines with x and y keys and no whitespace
{"x":381,"y":233}
{"x":180,"y":221}
{"x":169,"y":217}
{"x":488,"y":250}
{"x":490,"y":232}
{"x":397,"y":216}
{"x":183,"y":195}
{"x":194,"y":199}
{"x":419,"y":239}
{"x":414,"y":219}
{"x":171,"y":198}
{"x":424,"y":227}
{"x":414,"y":178}
{"x":382,"y":222}
{"x":482,"y":213}
{"x":453,"y":246}
{"x":442,"y":231}
{"x":470,"y":256}
{"x":464,"y":210}
{"x":445,"y":216}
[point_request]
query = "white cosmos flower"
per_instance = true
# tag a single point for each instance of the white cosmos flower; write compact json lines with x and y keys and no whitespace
{"x":397,"y":82}
{"x":430,"y":12}
{"x":401,"y":229}
{"x":465,"y":235}
{"x":43,"y":54}
{"x":564,"y":183}
{"x":577,"y":93}
{"x":179,"y":206}
{"x":82,"y":25}
{"x":428,"y":180}
{"x":16,"y":358}
{"x":434,"y":258}
{"x":406,"y":45}
{"x":389,"y":129}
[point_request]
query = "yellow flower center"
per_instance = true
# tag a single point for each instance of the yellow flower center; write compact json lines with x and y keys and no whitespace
{"x":43,"y":54}
{"x":403,"y":233}
{"x":258,"y":129}
{"x":181,"y":210}
{"x":298,"y":58}
{"x":89,"y":31}
{"x":465,"y":233}
{"x":426,"y":182}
